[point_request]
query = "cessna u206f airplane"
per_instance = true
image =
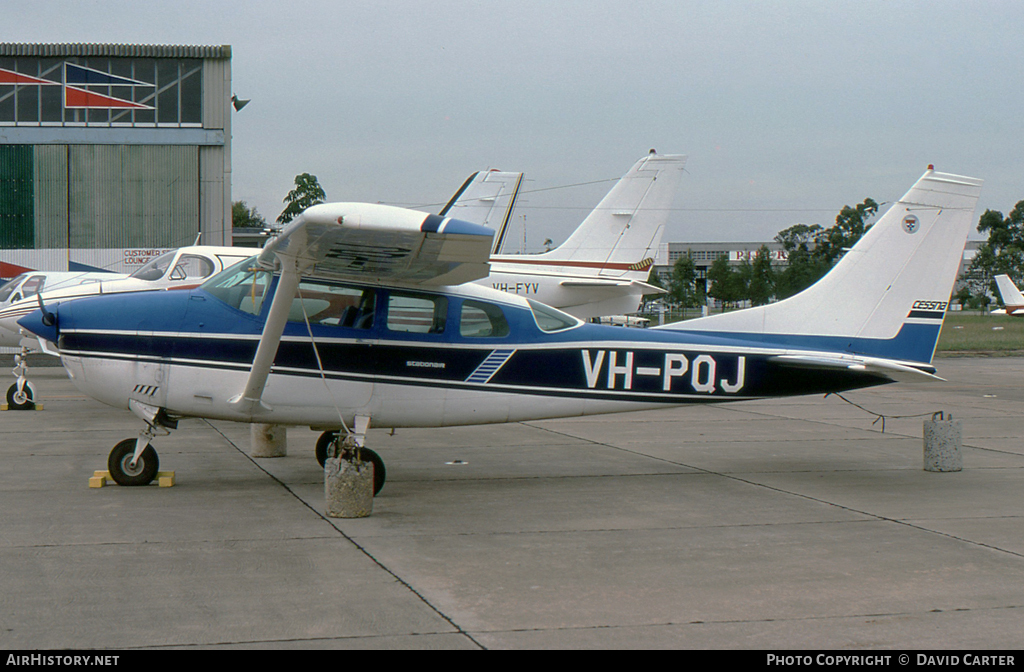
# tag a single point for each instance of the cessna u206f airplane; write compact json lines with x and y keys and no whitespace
{"x":352,"y":316}
{"x":602,"y":268}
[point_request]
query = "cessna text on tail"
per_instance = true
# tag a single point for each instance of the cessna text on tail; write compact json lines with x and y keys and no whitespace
{"x":351,"y":316}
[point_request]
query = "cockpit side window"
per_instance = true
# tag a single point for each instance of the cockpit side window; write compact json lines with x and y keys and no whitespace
{"x":482,"y":320}
{"x":33,"y":286}
{"x":333,"y":305}
{"x":192,"y":266}
{"x":417,"y":313}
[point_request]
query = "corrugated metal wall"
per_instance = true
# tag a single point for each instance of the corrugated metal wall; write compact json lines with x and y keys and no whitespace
{"x":17,"y":216}
{"x":51,"y":196}
{"x":133,"y":196}
{"x":215,"y":162}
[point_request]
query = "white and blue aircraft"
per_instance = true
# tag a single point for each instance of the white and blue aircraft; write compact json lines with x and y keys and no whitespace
{"x":358,"y":313}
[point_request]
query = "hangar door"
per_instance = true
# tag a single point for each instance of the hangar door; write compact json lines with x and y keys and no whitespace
{"x":98,"y":196}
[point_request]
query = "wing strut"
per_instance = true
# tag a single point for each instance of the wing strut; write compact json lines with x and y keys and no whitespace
{"x":250,"y":400}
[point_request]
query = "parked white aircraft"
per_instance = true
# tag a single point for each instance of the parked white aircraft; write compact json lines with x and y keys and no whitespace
{"x":602,"y":268}
{"x":1011,"y":296}
{"x":31,"y":283}
{"x":351,"y":314}
{"x":183,"y":268}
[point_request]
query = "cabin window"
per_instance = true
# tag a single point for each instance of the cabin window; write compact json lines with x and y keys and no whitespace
{"x":482,"y":320}
{"x":549,"y":319}
{"x":416,"y":313}
{"x":333,"y":305}
{"x":243,"y":286}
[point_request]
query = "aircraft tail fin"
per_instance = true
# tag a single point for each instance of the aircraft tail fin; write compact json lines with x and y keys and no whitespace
{"x":486,"y":198}
{"x":620,"y":238}
{"x":888,"y":295}
{"x":1009,"y":293}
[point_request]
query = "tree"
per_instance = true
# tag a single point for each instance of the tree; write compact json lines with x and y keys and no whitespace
{"x":1003,"y":252}
{"x":307,"y":193}
{"x":761,"y":285}
{"x":244,"y":216}
{"x":851,"y":224}
{"x":727,"y":285}
{"x":812,"y":250}
{"x":683,"y":287}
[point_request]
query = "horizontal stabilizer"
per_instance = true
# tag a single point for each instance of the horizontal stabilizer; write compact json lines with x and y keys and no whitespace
{"x":880,"y":367}
{"x":643,"y":287}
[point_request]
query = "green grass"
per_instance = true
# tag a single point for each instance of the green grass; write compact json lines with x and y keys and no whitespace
{"x":964,"y":333}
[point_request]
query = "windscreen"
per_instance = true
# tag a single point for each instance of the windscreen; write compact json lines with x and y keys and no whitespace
{"x":8,"y":287}
{"x":155,"y":269}
{"x":243,"y":286}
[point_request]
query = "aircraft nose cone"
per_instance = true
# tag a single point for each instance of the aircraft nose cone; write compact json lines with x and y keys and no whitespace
{"x":35,"y":323}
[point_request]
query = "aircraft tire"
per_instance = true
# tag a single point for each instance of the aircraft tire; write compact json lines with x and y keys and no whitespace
{"x":21,"y":402}
{"x":379,"y":473}
{"x":144,"y":471}
{"x":323,"y":444}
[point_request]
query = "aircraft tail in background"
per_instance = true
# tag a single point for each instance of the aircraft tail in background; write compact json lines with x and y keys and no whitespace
{"x":488,"y":198}
{"x":1011,"y":296}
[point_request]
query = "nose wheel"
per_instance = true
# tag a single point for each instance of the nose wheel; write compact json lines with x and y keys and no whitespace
{"x":22,"y":399}
{"x":128,"y":471}
{"x":21,"y":395}
{"x":329,"y":444}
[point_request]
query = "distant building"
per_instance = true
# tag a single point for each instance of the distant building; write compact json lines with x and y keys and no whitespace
{"x":112,"y":153}
{"x":705,"y":254}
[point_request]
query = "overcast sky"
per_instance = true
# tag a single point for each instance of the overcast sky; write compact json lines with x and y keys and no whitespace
{"x":787,"y":110}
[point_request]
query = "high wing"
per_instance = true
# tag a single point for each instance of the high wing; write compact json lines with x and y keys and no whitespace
{"x":487,"y":198}
{"x":366,"y":242}
{"x":381,"y":243}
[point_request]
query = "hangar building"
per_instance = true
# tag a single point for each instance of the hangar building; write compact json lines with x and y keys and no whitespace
{"x":111,"y":153}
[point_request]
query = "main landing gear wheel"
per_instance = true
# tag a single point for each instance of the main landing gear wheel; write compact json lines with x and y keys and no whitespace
{"x":323,"y":446}
{"x":23,"y":400}
{"x":119,"y":464}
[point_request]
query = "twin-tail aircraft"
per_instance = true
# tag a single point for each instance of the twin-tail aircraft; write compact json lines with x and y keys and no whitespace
{"x":1013,"y":301}
{"x":183,"y":268}
{"x":603,"y":267}
{"x":359,"y":313}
